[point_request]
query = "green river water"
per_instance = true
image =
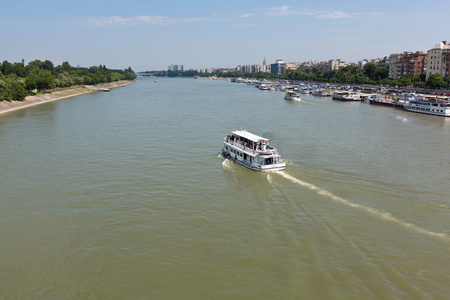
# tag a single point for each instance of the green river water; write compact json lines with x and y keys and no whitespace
{"x":124,"y":195}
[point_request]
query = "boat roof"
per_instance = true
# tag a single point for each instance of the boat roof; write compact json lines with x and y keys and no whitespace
{"x":249,"y":136}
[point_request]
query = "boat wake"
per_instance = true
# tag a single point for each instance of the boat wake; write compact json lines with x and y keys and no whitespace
{"x":227,"y":164}
{"x":270,"y":180}
{"x":403,"y":119}
{"x":375,"y":212}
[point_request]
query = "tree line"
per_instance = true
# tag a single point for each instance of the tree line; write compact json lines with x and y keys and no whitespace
{"x":369,"y":74}
{"x":18,"y":80}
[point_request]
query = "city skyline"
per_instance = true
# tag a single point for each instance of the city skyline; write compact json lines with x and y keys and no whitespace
{"x":151,"y":35}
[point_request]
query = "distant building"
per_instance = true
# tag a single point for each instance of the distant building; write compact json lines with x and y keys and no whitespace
{"x":380,"y":62}
{"x":290,"y":66}
{"x":264,"y":66}
{"x":276,"y":67}
{"x":333,"y":64}
{"x":438,"y":60}
{"x":257,"y":68}
{"x":176,"y":68}
{"x":246,"y":69}
{"x":362,"y":63}
{"x":337,"y":64}
{"x":408,"y":63}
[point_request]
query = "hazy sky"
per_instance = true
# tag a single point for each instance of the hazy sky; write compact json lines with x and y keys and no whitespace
{"x":150,"y":35}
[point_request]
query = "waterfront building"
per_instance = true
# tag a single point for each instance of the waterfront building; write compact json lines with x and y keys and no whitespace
{"x":276,"y":67}
{"x":332,"y":64}
{"x":246,"y":69}
{"x":289,"y":66}
{"x":250,"y":68}
{"x":336,"y":64}
{"x":176,"y":68}
{"x":257,"y":68}
{"x":438,"y":60}
{"x":363,"y":62}
{"x":380,"y":62}
{"x":407,"y":63}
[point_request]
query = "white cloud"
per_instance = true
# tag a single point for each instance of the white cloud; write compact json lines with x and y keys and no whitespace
{"x":197,"y":20}
{"x":247,"y":15}
{"x":318,"y":14}
{"x":243,"y":25}
{"x":118,"y":21}
{"x":280,"y":11}
{"x":333,"y":15}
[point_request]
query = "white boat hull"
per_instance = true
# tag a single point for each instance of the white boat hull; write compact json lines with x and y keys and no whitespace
{"x":280,"y":166}
{"x":428,"y":111}
{"x":292,"y":98}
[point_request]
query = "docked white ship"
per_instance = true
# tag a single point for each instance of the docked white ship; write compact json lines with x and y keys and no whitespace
{"x":252,"y":151}
{"x":437,"y":106}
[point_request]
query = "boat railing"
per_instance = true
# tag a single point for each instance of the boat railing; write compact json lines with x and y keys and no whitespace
{"x":239,"y":145}
{"x":250,"y":150}
{"x":267,"y":151}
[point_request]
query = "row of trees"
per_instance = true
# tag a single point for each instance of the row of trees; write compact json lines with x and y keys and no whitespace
{"x":369,"y":74}
{"x":18,"y":80}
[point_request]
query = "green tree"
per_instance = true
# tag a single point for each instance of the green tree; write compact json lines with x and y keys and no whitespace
{"x":66,"y":66}
{"x":381,"y":73}
{"x":369,"y":70}
{"x":30,"y":84}
{"x":436,"y":81}
{"x":43,"y":78}
{"x":6,"y":68}
{"x":405,"y":80}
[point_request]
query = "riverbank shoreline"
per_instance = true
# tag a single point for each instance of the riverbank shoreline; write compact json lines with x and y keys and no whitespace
{"x":10,"y":106}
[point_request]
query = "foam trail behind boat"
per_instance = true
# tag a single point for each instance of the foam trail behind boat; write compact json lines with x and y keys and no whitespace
{"x":270,"y":180}
{"x":403,"y":119}
{"x":227,"y":164}
{"x":375,"y":212}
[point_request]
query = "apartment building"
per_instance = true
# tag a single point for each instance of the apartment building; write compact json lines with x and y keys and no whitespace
{"x":438,"y":60}
{"x":407,"y":63}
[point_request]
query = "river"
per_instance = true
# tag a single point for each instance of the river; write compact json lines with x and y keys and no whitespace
{"x":124,"y":195}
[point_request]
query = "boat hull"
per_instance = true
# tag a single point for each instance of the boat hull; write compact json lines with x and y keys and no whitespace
{"x":436,"y":108}
{"x":434,"y":113}
{"x":382,"y":103}
{"x":290,"y":98}
{"x":255,"y":167}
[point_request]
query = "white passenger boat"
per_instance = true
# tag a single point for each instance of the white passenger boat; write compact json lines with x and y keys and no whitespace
{"x":252,"y":151}
{"x":291,"y":95}
{"x":438,"y":106}
{"x":264,"y":87}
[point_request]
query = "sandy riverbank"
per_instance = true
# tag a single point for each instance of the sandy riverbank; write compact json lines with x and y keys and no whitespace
{"x":9,"y":106}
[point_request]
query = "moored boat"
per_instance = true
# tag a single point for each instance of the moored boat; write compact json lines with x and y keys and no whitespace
{"x":438,"y":106}
{"x":264,"y":87}
{"x":321,"y":93}
{"x":346,"y":96}
{"x":252,"y":151}
{"x":373,"y":99}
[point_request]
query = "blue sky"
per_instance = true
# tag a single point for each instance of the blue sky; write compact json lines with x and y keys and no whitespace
{"x":150,"y":35}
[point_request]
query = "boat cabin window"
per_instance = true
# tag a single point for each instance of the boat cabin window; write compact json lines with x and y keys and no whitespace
{"x":268,"y":161}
